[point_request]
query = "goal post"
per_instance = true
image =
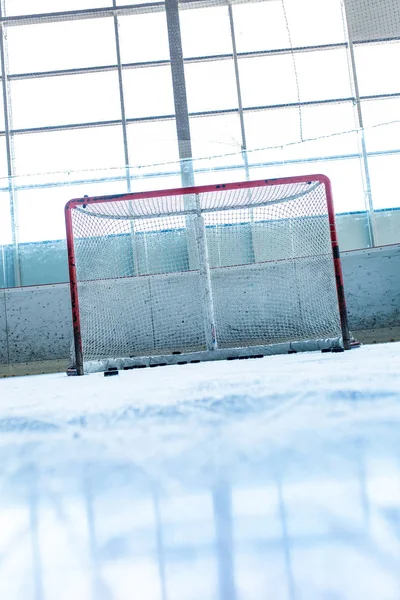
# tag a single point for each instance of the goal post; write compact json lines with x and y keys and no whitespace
{"x":218,"y":271}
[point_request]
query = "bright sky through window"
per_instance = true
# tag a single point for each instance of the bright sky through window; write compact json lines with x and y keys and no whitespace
{"x":271,"y":86}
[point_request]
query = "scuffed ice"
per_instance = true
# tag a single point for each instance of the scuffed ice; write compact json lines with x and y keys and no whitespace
{"x":276,"y":478}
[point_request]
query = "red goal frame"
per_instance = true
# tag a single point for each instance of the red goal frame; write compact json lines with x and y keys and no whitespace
{"x":76,"y":321}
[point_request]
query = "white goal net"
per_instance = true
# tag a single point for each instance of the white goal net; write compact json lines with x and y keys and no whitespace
{"x":219,"y":271}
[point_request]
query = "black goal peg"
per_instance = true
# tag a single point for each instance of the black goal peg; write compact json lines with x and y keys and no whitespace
{"x":111,"y":371}
{"x":72,"y":371}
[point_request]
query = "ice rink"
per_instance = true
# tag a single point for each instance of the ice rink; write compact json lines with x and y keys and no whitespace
{"x":272,"y":479}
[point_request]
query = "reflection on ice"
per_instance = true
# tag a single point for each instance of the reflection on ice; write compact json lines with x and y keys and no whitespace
{"x":306,"y":507}
{"x":326,"y":535}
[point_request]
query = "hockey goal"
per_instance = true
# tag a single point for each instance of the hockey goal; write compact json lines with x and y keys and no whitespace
{"x":218,"y":271}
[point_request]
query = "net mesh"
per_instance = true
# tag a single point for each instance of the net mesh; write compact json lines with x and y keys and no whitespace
{"x":156,"y":275}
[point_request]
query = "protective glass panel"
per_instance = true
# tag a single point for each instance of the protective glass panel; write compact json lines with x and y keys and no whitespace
{"x":80,"y":149}
{"x":97,"y":188}
{"x":34,"y":228}
{"x":321,"y":75}
{"x":384,"y":172}
{"x":148,"y":92}
{"x":273,"y":25}
{"x":217,"y":135}
{"x":262,"y":90}
{"x":346,"y":177}
{"x":382,"y":124}
{"x":260,"y":26}
{"x":214,"y":21}
{"x":143,"y":37}
{"x":5,"y":220}
{"x":62,"y":45}
{"x":272,"y":127}
{"x":211,"y":86}
{"x":328,"y":120}
{"x":2,"y":127}
{"x":155,"y":181}
{"x":374,"y":72}
{"x":153,"y":143}
{"x":3,"y":162}
{"x":5,"y":241}
{"x":312,"y":22}
{"x":209,"y":174}
{"x":313,"y":132}
{"x":321,"y":148}
{"x":65,"y":99}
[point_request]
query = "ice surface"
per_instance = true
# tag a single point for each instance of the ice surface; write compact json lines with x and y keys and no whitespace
{"x":276,"y":478}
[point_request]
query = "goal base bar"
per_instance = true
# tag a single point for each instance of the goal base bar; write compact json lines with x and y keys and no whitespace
{"x":96,"y":366}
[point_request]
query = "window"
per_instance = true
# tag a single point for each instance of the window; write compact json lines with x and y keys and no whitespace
{"x":3,"y":162}
{"x":346,"y":143}
{"x":270,"y":80}
{"x":41,"y":211}
{"x":267,"y":80}
{"x":41,"y":214}
{"x":328,"y":119}
{"x":211,"y":86}
{"x":272,"y":127}
{"x":143,"y":37}
{"x":2,"y":127}
{"x":284,"y":139}
{"x":205,"y":31}
{"x":377,"y":70}
{"x":148,"y":92}
{"x":77,"y":149}
{"x":313,"y":22}
{"x":328,"y":130}
{"x":323,"y":75}
{"x":260,"y":26}
{"x":217,"y":135}
{"x":212,"y":176}
{"x":345,"y":175}
{"x":5,"y":220}
{"x":382,"y":124}
{"x":140,"y":183}
{"x":264,"y":25}
{"x":65,"y":99}
{"x":384,"y":181}
{"x":153,"y":143}
{"x":63,"y":45}
{"x":96,"y":188}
